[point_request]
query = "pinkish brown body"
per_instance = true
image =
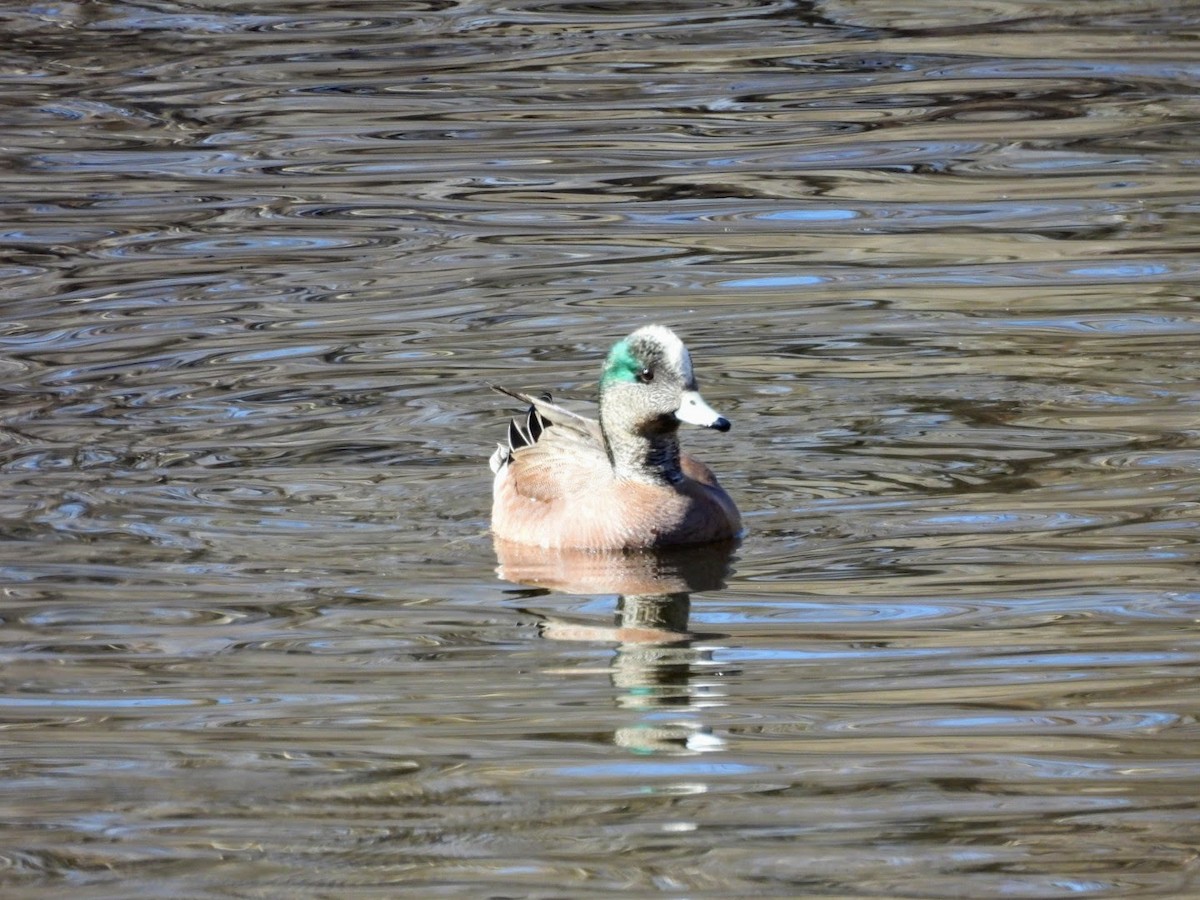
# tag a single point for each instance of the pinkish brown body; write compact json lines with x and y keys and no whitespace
{"x":590,"y":507}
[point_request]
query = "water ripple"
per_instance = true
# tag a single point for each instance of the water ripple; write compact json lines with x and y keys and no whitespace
{"x":936,"y":261}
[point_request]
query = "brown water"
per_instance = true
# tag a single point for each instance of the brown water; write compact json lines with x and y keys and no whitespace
{"x":936,"y":261}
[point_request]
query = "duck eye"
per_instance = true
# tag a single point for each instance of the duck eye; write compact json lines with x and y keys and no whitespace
{"x":645,"y":376}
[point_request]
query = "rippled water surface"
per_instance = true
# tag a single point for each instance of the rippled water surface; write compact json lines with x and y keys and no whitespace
{"x":936,"y":261}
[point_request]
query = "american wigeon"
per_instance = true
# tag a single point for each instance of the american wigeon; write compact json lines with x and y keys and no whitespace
{"x":565,"y":481}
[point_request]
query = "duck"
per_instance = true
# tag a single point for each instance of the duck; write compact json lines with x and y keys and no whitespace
{"x":567,"y":482}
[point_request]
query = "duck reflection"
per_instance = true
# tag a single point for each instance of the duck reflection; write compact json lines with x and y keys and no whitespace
{"x":655,"y":668}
